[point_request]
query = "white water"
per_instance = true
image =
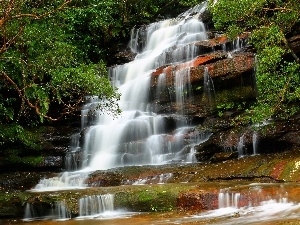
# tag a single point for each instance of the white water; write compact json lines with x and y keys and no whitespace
{"x":66,"y":181}
{"x":209,"y":89}
{"x":234,"y":209}
{"x":140,"y":136}
{"x":255,"y":142}
{"x":256,"y":207}
{"x":96,"y":204}
{"x":270,"y":210}
{"x":241,"y":147}
{"x":58,"y":211}
{"x":228,"y":199}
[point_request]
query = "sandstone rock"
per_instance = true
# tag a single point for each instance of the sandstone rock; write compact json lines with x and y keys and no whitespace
{"x":222,"y":156}
{"x":224,"y":67}
{"x":294,"y":43}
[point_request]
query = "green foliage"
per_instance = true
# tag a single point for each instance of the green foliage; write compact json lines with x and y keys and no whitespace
{"x":54,"y":53}
{"x":189,"y":3}
{"x":278,"y":85}
{"x":18,"y":146}
{"x":16,"y":135}
{"x":43,"y":68}
{"x":265,"y":37}
{"x":226,"y":106}
{"x":43,"y":74}
{"x":278,"y":68}
{"x":247,"y":15}
{"x":70,"y":81}
{"x":6,"y":113}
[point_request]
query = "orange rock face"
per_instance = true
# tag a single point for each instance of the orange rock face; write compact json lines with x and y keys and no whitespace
{"x":217,"y":63}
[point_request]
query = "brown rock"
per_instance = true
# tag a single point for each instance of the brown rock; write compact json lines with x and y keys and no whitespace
{"x":229,"y":67}
{"x":198,"y":200}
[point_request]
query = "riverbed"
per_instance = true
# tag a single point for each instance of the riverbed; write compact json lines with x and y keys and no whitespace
{"x":270,"y":213}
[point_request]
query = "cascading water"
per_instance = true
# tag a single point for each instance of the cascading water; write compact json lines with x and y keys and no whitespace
{"x":142,"y":134}
{"x":139,"y":136}
{"x":96,"y":204}
{"x":255,"y":208}
{"x":255,"y":142}
{"x":228,"y":199}
{"x":209,"y":89}
{"x":241,"y":147}
{"x":57,"y":211}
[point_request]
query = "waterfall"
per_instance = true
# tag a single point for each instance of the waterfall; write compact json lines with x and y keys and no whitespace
{"x":57,"y":211}
{"x":73,"y":157}
{"x":255,"y":142}
{"x":96,"y":204}
{"x":139,"y":136}
{"x":228,"y":199}
{"x":157,"y":179}
{"x":182,"y":88}
{"x":255,"y":207}
{"x":67,"y":180}
{"x":241,"y":147}
{"x":142,"y":134}
{"x":209,"y":89}
{"x":256,"y":196}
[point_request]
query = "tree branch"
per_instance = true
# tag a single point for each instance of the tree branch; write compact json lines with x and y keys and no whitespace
{"x":68,"y":108}
{"x":6,"y":16}
{"x":62,"y":6}
{"x":8,"y":43}
{"x":279,"y":9}
{"x":8,"y":10}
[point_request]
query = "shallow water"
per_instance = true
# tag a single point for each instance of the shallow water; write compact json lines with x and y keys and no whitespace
{"x":269,"y":212}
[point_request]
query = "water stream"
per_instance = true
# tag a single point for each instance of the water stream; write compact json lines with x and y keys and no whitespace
{"x":249,"y":203}
{"x":142,"y":136}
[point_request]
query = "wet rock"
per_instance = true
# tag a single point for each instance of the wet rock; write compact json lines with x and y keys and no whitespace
{"x":11,"y":206}
{"x":40,"y":207}
{"x":105,"y":179}
{"x":52,"y":162}
{"x":123,"y":56}
{"x":224,"y":67}
{"x":20,"y":180}
{"x":198,"y":200}
{"x":206,"y":150}
{"x":55,"y":140}
{"x":277,"y":136}
{"x":223,"y":156}
{"x":294,"y":43}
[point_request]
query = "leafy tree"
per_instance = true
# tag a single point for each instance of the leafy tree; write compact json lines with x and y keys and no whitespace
{"x":40,"y":67}
{"x":100,"y":28}
{"x":53,"y":53}
{"x":43,"y":75}
{"x":271,"y":23}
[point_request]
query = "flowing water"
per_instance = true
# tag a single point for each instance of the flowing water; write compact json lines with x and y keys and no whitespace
{"x":58,"y":212}
{"x":142,"y":136}
{"x":254,"y":203}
